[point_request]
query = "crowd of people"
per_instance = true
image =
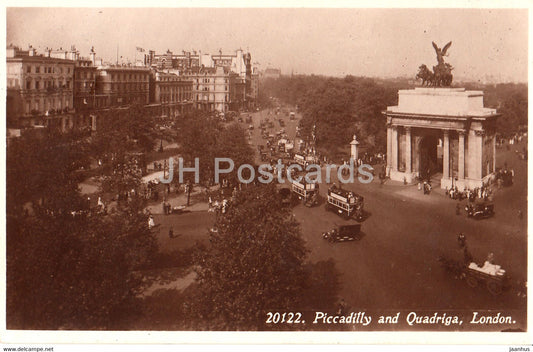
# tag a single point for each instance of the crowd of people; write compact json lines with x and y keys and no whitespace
{"x":512,"y":140}
{"x":504,"y":177}
{"x":372,"y":159}
{"x":480,"y":193}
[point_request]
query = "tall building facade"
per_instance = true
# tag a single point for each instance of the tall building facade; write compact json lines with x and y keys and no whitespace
{"x":221,"y":82}
{"x":122,"y":85}
{"x":39,"y":90}
{"x":174,"y":93}
{"x":60,"y":89}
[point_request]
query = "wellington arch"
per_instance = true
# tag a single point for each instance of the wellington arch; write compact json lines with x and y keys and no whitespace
{"x":441,"y":133}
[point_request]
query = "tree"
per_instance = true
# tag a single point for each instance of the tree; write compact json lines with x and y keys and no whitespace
{"x":202,"y":136}
{"x":135,"y":129}
{"x":68,"y":266}
{"x":338,"y":108}
{"x":126,"y":176}
{"x":75,"y":272}
{"x":255,"y":263}
{"x":198,"y":134}
{"x":41,"y":168}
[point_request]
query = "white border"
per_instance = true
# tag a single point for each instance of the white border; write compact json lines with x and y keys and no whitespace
{"x":157,"y":337}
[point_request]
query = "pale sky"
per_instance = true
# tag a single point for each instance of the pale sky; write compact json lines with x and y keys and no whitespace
{"x":361,"y":42}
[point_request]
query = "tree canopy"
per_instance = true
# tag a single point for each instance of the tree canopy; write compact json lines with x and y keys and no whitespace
{"x":254,"y":264}
{"x":341,"y":107}
{"x":337,"y":108}
{"x":203,"y":136}
{"x":68,"y":265}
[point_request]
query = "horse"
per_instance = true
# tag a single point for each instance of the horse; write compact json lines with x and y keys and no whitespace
{"x":442,"y":75}
{"x":425,"y":75}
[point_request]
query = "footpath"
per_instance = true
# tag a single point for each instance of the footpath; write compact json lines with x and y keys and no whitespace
{"x":179,"y":200}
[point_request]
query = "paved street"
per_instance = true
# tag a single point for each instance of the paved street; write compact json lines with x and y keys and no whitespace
{"x":394,"y":266}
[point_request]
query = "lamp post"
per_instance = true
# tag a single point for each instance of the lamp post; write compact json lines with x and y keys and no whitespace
{"x":188,"y":193}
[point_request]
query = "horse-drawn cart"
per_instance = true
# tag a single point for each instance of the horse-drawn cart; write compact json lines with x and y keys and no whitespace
{"x":492,"y":276}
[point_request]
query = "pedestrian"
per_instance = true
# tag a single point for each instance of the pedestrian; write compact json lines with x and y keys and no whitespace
{"x":101,"y":206}
{"x":224,"y":206}
{"x":341,"y":307}
{"x":171,"y":232}
{"x":151,"y":222}
{"x":458,"y":209}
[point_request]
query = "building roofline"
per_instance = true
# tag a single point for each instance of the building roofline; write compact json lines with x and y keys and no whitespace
{"x":39,"y":59}
{"x":441,"y":116}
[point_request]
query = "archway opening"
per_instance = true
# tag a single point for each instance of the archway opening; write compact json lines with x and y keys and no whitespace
{"x":430,"y":163}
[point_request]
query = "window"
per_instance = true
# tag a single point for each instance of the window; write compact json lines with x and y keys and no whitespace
{"x":37,"y":69}
{"x":28,"y":69}
{"x":68,"y":84}
{"x":36,"y":85}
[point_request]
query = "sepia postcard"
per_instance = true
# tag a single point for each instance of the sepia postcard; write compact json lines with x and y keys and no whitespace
{"x":288,"y":173}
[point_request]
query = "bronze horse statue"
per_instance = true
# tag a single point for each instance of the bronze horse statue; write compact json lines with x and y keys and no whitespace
{"x":440,"y":77}
{"x":442,"y":73}
{"x":425,"y":75}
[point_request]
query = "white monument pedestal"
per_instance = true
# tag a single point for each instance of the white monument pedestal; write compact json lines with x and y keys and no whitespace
{"x":353,"y":150}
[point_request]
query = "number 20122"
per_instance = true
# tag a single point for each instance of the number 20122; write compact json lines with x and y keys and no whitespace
{"x":289,"y":318}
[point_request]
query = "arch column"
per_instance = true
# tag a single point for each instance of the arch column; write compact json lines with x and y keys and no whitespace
{"x":461,"y":158}
{"x":389,"y":149}
{"x":394,"y":148}
{"x":446,"y":155}
{"x":408,"y":153}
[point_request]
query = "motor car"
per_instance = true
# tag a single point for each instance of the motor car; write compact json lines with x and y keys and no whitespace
{"x":343,"y":233}
{"x":479,"y":210}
